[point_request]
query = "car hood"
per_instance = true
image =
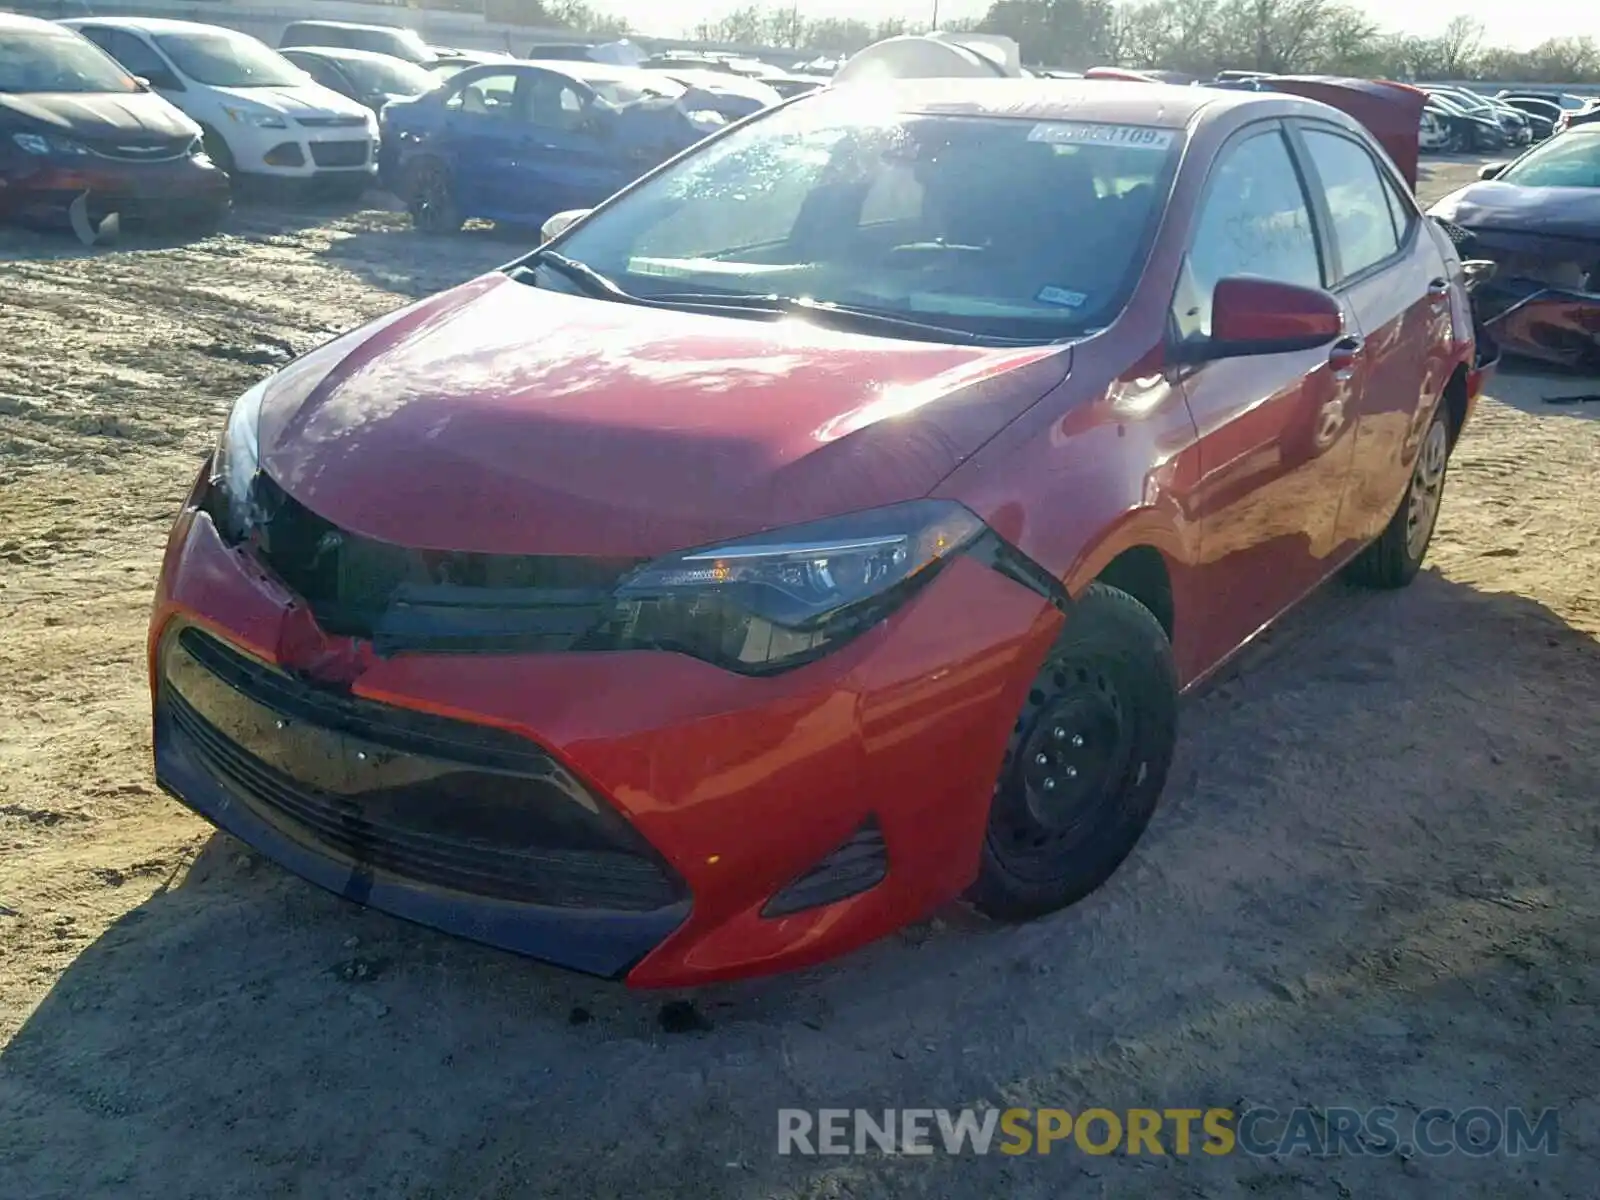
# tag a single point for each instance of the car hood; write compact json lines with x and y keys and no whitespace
{"x":501,"y":418}
{"x":1565,"y":212}
{"x":98,"y":114}
{"x":295,"y":100}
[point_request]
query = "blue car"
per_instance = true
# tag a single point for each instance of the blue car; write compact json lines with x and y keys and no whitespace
{"x":517,"y":142}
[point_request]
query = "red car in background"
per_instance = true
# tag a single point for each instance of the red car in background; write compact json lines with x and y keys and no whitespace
{"x":822,"y":529}
{"x":75,"y":124}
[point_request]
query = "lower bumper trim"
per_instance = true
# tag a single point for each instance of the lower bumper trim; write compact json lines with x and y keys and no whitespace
{"x":600,"y":943}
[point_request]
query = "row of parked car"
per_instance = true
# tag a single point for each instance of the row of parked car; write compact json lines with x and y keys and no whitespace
{"x":1461,"y":121}
{"x":162,"y":118}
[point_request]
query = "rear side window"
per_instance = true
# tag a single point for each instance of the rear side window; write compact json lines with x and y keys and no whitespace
{"x":1358,"y":200}
{"x":1254,"y":220}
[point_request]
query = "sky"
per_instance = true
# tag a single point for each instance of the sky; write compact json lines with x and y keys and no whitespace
{"x":1513,"y":23}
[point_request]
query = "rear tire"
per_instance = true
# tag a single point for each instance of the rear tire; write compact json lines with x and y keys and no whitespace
{"x":1086,"y":763}
{"x":429,"y":197}
{"x":1395,"y":558}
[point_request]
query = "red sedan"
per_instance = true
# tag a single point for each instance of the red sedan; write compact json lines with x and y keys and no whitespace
{"x":821,"y":530}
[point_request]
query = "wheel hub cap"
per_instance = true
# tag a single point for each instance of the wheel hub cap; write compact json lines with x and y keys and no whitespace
{"x":1427,"y":489}
{"x":1074,"y":753}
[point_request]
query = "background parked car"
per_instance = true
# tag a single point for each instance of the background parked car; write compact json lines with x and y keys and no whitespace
{"x":1433,"y":132}
{"x":1574,"y":117}
{"x":1538,"y":219}
{"x":1466,"y":132}
{"x":261,"y":114}
{"x":371,"y":80}
{"x":1563,"y":100}
{"x":517,"y":142}
{"x":1511,"y":122}
{"x":394,"y":40}
{"x":1542,"y":112}
{"x":561,"y":52}
{"x":73,"y":121}
{"x":734,"y":96}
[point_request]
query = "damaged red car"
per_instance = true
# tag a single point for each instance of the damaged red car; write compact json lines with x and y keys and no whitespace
{"x":821,"y":530}
{"x":1536,"y":221}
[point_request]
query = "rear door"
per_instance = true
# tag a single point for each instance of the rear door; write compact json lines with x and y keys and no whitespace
{"x":1274,"y":444}
{"x":1390,"y":274}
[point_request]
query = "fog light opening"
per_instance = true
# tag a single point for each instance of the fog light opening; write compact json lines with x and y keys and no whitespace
{"x":859,"y":863}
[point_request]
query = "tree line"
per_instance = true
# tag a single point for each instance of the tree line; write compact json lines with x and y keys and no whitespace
{"x":1200,"y":37}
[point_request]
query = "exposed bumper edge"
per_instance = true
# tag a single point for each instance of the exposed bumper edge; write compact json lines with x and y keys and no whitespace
{"x":604,"y":944}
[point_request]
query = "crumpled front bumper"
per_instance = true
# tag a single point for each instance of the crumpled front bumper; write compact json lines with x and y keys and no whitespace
{"x":738,"y":786}
{"x":1542,"y":301}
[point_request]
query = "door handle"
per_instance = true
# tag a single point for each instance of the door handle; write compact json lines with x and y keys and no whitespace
{"x":1344,"y":355}
{"x":1438,"y":287}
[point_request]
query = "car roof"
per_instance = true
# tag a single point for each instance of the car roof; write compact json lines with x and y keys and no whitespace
{"x":18,"y":22}
{"x":588,"y":72}
{"x":319,"y":23}
{"x":1164,"y":105}
{"x":153,"y":25}
{"x":346,"y":53}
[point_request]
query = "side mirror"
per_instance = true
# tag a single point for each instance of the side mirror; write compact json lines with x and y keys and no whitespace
{"x":558,"y":224}
{"x":144,"y":84}
{"x":1492,"y":170}
{"x":1252,"y":316}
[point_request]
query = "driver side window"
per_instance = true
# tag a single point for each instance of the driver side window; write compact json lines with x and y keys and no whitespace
{"x":486,"y":96}
{"x":1254,"y":220}
{"x":553,"y":103}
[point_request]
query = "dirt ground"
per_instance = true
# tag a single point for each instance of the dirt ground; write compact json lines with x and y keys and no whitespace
{"x":1372,"y":881}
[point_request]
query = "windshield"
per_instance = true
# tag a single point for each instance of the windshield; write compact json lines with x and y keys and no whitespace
{"x":401,"y":43}
{"x":994,"y":227}
{"x":57,"y":62}
{"x":1572,"y":160}
{"x":1470,"y":103}
{"x":375,"y":76}
{"x":224,"y":59}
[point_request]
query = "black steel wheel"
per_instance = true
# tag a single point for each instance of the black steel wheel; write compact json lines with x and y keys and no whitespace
{"x":1086,"y":763}
{"x":429,"y":197}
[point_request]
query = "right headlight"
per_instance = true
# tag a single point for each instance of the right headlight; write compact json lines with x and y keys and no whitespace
{"x":234,"y":465}
{"x":778,"y":599}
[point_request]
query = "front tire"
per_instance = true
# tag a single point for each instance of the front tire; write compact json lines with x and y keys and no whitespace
{"x":1086,"y":763}
{"x":1395,"y":558}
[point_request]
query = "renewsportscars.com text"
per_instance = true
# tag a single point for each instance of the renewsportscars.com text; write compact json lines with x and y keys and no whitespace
{"x":1260,"y":1131}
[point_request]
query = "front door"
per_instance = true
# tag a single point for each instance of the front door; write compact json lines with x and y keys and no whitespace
{"x":483,"y":136}
{"x":1274,"y":430}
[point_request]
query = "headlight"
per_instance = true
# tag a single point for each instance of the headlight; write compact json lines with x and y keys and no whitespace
{"x":234,"y":465}
{"x":251,"y":116}
{"x":781,"y":598}
{"x":48,"y":143}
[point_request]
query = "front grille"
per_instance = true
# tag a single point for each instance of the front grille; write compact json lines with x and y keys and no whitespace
{"x":340,"y":154}
{"x":439,"y":802}
{"x":402,"y":599}
{"x":140,"y":149}
{"x":330,"y":122}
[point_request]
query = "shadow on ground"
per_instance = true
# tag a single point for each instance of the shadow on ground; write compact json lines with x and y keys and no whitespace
{"x":1541,"y":390}
{"x":1372,"y":882}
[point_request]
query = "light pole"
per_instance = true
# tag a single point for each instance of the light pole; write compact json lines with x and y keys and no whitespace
{"x":935,"y":25}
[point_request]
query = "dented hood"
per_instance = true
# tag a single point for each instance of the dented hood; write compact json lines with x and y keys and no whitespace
{"x":501,"y":418}
{"x":1553,"y":211}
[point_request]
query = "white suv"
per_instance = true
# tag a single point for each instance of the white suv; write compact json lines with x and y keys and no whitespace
{"x":261,"y":114}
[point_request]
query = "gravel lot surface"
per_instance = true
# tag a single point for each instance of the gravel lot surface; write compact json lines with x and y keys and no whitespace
{"x":1372,"y":881}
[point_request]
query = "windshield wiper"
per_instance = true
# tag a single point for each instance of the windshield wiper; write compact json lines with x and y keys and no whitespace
{"x":856,"y":314}
{"x":585,"y":276}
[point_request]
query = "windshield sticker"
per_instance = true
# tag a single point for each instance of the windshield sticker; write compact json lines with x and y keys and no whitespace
{"x":1061,"y":297}
{"x":1073,"y":133}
